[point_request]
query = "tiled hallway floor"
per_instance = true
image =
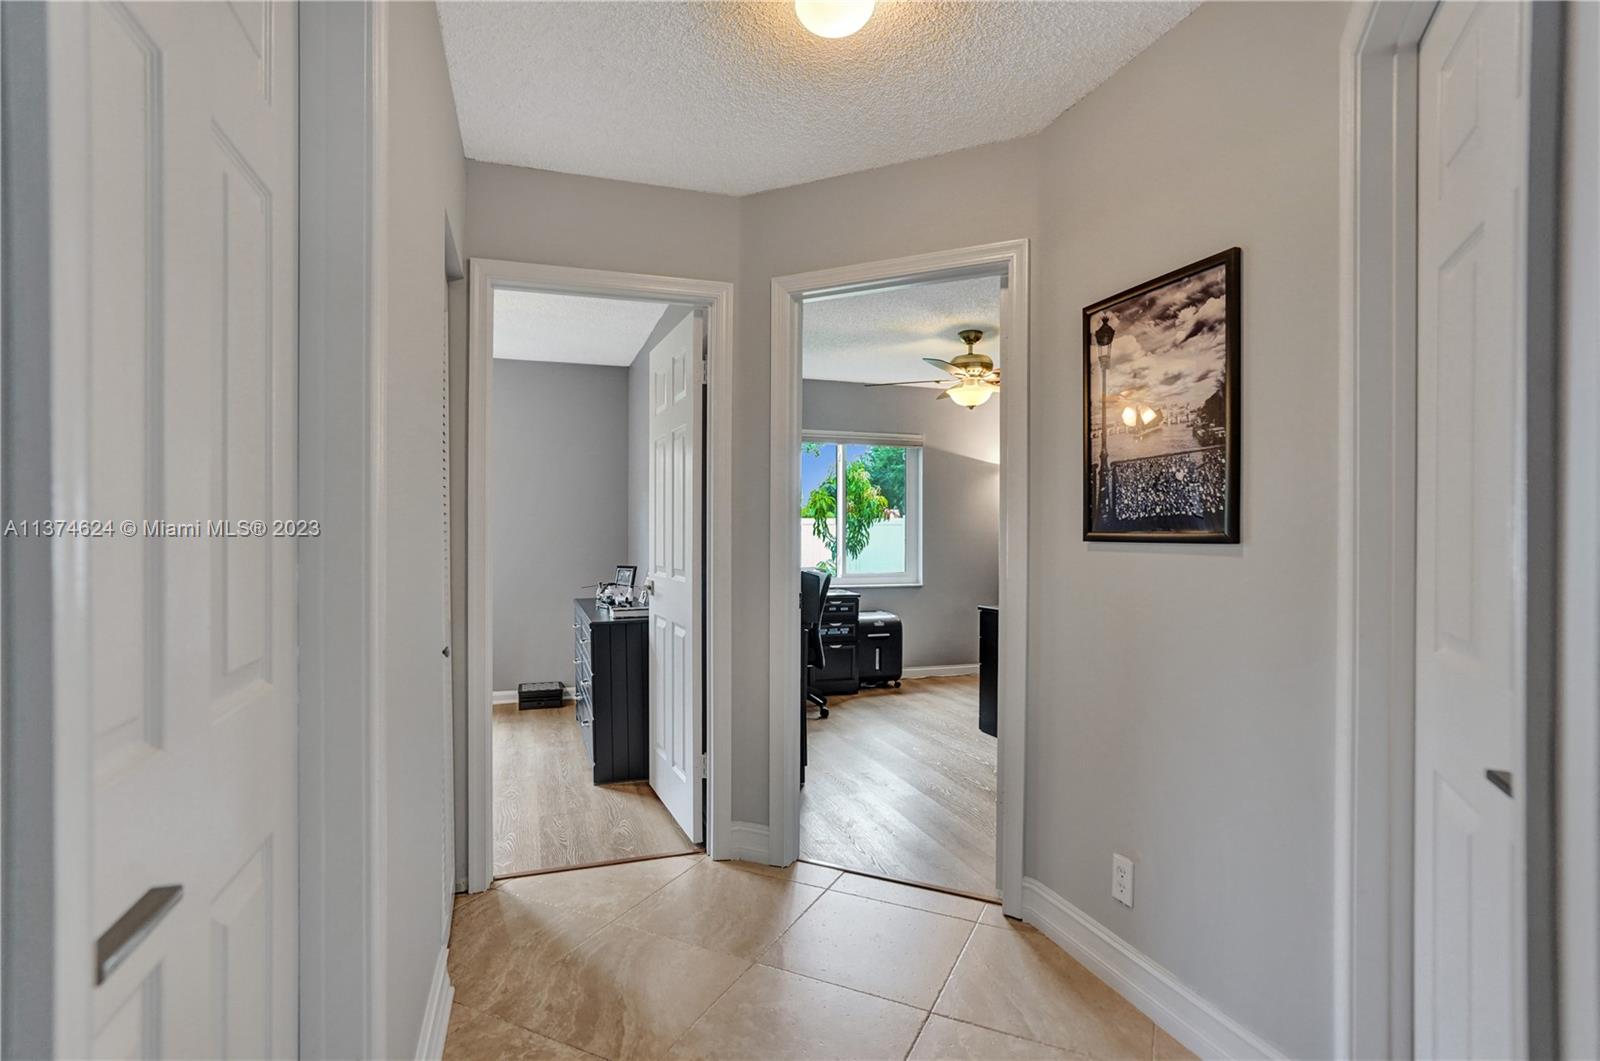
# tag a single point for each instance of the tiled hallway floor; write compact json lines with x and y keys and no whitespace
{"x":685,"y":957}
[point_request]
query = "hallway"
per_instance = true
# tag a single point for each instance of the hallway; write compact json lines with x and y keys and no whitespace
{"x":686,"y":957}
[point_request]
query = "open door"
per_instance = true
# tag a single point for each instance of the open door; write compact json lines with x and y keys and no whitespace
{"x":173,"y":228}
{"x":676,"y":737}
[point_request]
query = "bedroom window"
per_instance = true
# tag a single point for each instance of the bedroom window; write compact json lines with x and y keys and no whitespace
{"x":861,"y":507}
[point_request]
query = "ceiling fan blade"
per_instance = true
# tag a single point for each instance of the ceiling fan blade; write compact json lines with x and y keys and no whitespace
{"x":943,"y":366}
{"x":905,"y":383}
{"x":942,"y":394}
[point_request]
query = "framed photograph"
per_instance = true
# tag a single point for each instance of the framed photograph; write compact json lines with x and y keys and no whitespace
{"x":625,"y":575}
{"x":1161,"y":408}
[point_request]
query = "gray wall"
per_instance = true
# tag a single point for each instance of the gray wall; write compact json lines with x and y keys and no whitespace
{"x":558,"y":498}
{"x":426,"y":199}
{"x":529,"y":215}
{"x":1186,"y":694}
{"x":960,"y":504}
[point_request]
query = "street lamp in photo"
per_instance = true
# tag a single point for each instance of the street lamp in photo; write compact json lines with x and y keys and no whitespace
{"x":1102,"y":338}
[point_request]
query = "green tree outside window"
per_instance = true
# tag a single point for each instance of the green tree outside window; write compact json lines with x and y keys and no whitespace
{"x":865,"y":505}
{"x":886,"y":466}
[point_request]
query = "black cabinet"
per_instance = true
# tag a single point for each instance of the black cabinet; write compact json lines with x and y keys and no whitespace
{"x":989,"y":669}
{"x":840,"y":674}
{"x":880,"y":648}
{"x":612,"y":660}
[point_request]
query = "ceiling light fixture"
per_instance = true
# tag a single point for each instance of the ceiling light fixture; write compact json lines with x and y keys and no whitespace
{"x":976,"y":379}
{"x":833,"y":18}
{"x":971,"y":393}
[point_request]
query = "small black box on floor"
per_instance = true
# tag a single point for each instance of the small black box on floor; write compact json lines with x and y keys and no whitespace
{"x":880,"y":647}
{"x":540,"y":694}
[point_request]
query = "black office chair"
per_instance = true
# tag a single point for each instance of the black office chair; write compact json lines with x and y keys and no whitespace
{"x":813,"y":591}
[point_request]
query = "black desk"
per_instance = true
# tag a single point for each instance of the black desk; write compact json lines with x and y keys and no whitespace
{"x":989,"y":669}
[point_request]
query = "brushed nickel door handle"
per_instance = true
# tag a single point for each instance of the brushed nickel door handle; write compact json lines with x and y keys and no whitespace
{"x":119,"y":941}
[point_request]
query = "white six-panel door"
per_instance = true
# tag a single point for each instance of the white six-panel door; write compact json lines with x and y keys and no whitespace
{"x":674,"y":573}
{"x":173,"y":244}
{"x":1471,"y":498}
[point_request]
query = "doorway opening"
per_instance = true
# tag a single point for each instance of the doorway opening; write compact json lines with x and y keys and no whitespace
{"x":896,"y":571}
{"x":593,"y":458}
{"x":899,"y":511}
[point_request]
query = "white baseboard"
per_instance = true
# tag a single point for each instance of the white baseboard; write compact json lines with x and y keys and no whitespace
{"x":509,"y":696}
{"x":1188,"y":1018}
{"x":436,"y":1014}
{"x":940,"y":671}
{"x":749,"y":842}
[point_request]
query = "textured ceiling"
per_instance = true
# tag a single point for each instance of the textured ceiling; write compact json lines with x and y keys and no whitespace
{"x":736,"y":97}
{"x":573,"y":329}
{"x":882,"y":336}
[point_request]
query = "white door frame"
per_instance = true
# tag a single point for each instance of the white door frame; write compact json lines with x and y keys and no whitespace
{"x":1579,"y":694}
{"x":1376,"y":625}
{"x":1373,"y":765}
{"x":344,"y":197}
{"x":716,"y":297}
{"x":1010,"y":260}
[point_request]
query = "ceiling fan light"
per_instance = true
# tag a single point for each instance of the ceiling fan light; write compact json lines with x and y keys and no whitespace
{"x":971,"y":393}
{"x":833,"y":18}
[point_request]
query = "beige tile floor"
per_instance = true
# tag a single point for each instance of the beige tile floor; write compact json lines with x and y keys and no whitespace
{"x":685,"y":957}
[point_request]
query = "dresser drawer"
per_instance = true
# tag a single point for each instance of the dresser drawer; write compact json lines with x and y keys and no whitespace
{"x":610,"y":663}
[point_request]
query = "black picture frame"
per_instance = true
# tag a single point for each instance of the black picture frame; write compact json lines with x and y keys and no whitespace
{"x":626,"y":575}
{"x":1171,"y":495}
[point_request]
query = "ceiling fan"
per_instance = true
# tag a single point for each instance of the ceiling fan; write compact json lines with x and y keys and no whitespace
{"x":976,"y":378}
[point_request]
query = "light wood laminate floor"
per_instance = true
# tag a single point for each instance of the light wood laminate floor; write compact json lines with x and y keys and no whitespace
{"x":689,"y":958}
{"x":901,"y":783}
{"x":549,"y":813}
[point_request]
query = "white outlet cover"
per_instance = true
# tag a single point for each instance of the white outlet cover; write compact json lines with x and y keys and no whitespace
{"x":1122,"y":879}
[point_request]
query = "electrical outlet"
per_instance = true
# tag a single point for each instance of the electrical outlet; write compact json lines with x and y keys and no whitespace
{"x":1122,"y":879}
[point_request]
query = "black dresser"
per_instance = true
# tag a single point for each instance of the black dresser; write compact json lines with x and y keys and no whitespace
{"x":611,"y":657}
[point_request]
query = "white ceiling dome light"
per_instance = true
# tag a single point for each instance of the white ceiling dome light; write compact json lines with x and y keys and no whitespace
{"x":833,"y":18}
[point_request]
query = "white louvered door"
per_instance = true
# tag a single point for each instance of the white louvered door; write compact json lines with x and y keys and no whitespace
{"x":173,"y":286}
{"x":447,"y":846}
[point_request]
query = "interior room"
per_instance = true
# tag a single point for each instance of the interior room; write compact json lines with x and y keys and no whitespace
{"x":898,"y":610}
{"x":511,"y":511}
{"x":569,"y":502}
